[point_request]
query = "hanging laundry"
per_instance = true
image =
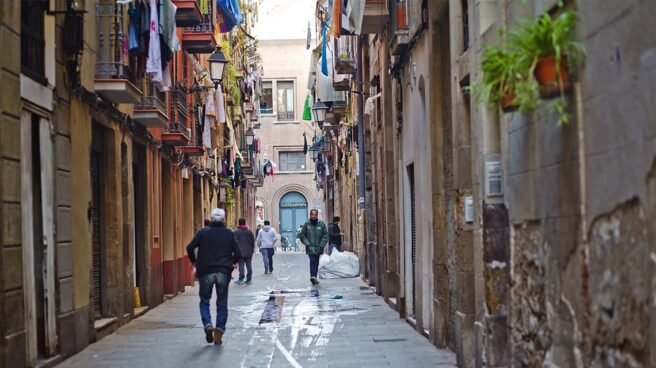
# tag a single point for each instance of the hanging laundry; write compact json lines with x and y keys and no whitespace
{"x":154,"y":65}
{"x":337,"y":18}
{"x":220,"y":106}
{"x":207,"y":132}
{"x":309,"y":37}
{"x":205,"y":7}
{"x":166,"y":83}
{"x":134,"y":29}
{"x":307,"y":110}
{"x":324,"y":51}
{"x":237,"y":165}
{"x":354,"y":15}
{"x":168,"y":25}
{"x":230,"y":14}
{"x":305,"y":145}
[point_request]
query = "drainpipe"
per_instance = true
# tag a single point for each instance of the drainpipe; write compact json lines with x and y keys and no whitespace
{"x":358,"y":76}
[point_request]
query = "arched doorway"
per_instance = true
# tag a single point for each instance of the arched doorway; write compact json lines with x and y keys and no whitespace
{"x":293,"y":214}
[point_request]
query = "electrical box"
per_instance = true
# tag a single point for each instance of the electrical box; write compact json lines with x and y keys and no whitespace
{"x":493,"y":179}
{"x":469,"y":209}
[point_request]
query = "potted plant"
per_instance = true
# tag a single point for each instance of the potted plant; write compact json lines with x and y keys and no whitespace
{"x":505,"y":81}
{"x":553,"y":54}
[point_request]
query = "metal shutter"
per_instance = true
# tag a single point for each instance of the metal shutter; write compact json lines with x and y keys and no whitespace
{"x":96,"y":233}
{"x":413,"y":229}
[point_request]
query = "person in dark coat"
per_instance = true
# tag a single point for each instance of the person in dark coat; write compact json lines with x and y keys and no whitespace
{"x":218,"y":255}
{"x":314,"y":235}
{"x":334,"y":236}
{"x":246,"y":240}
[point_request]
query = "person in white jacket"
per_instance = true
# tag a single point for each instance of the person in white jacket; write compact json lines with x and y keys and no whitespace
{"x":266,"y":241}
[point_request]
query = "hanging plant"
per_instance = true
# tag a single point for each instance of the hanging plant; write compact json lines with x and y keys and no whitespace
{"x":548,"y":43}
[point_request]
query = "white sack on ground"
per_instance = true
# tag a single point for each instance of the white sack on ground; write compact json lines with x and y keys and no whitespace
{"x":339,"y":265}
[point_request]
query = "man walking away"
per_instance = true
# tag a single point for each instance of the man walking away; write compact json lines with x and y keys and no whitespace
{"x":246,"y":240}
{"x":218,"y":254}
{"x":266,"y":241}
{"x":315,"y":236}
{"x":334,"y":236}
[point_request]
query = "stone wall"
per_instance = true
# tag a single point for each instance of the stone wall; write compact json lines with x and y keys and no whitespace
{"x":12,"y":329}
{"x":580,"y":205}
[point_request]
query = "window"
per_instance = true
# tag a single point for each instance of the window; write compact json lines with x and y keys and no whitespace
{"x":292,"y":161}
{"x":285,"y":100}
{"x":266,"y":102}
{"x":33,"y":42}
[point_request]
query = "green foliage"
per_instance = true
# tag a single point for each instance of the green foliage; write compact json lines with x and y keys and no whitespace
{"x":509,"y":67}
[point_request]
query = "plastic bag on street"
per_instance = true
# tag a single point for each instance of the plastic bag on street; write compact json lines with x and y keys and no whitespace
{"x":339,"y":265}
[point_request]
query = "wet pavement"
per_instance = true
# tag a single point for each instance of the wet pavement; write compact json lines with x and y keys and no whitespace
{"x":278,"y":321}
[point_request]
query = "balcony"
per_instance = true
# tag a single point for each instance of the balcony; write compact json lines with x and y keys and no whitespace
{"x":345,"y":55}
{"x":115,"y":76}
{"x":400,"y":34}
{"x":375,"y":16}
{"x":151,"y":111}
{"x":341,"y":82}
{"x":192,"y":150}
{"x":188,"y":13}
{"x":177,"y":133}
{"x":200,"y":38}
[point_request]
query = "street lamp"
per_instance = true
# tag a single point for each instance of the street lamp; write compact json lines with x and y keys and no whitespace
{"x":319,"y":110}
{"x":250,"y":135}
{"x":217,"y":64}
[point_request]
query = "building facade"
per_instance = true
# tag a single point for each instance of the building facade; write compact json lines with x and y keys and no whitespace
{"x":502,"y":236}
{"x":287,"y":196}
{"x":106,"y":175}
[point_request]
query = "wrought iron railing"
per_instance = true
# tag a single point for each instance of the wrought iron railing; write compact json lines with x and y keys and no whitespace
{"x":113,"y":57}
{"x":285,"y":115}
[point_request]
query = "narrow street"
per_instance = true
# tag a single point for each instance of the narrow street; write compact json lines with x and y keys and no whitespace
{"x":278,"y":321}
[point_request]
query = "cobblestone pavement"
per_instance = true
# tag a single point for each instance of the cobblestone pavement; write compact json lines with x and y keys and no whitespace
{"x":316,"y":328}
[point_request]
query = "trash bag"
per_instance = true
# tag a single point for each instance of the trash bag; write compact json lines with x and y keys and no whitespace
{"x":339,"y":265}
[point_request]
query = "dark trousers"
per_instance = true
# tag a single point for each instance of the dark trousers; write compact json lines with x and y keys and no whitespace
{"x":245,"y":265}
{"x":314,"y":264}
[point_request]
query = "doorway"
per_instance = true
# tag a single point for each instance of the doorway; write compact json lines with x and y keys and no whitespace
{"x":38,"y":236}
{"x":293,"y":214}
{"x":139,"y":216}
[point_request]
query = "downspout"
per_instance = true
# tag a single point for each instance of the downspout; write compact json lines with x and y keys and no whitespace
{"x":360,"y":102}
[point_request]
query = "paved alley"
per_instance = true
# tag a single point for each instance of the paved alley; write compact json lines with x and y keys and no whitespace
{"x":278,"y":321}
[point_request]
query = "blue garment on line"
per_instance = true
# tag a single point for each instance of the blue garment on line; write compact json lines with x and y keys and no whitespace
{"x":324,"y":51}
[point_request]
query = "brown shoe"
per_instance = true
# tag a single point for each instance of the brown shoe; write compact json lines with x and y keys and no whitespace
{"x":208,"y":334}
{"x":218,"y":336}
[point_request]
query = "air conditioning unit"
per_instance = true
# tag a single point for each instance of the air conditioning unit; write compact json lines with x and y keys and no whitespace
{"x":493,"y":179}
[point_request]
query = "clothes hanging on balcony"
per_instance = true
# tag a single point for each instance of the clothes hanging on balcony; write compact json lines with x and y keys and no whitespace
{"x":134,"y":29}
{"x":220,"y":107}
{"x":207,"y":132}
{"x":237,"y":165}
{"x":229,"y":14}
{"x":354,"y":16}
{"x":324,"y":51}
{"x":154,"y":65}
{"x":166,"y":83}
{"x":337,"y":18}
{"x":167,"y":23}
{"x":307,"y":110}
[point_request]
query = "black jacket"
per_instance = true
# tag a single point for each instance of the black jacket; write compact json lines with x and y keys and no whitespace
{"x":217,"y":247}
{"x":246,"y":240}
{"x":334,"y":236}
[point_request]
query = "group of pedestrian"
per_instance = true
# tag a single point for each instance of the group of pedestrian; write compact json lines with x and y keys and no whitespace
{"x":221,"y":250}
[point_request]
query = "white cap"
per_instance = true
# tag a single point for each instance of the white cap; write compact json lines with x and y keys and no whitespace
{"x":217,"y":215}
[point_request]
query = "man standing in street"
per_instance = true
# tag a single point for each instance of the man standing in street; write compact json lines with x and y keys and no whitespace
{"x":246,"y":240}
{"x":266,"y":241}
{"x":314,"y":236}
{"x":218,"y":254}
{"x":334,"y":236}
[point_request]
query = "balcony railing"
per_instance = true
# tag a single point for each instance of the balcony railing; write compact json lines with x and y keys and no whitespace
{"x":199,"y":39}
{"x":188,"y":13}
{"x":285,"y":116}
{"x":345,"y":54}
{"x":115,"y":76}
{"x":180,"y":104}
